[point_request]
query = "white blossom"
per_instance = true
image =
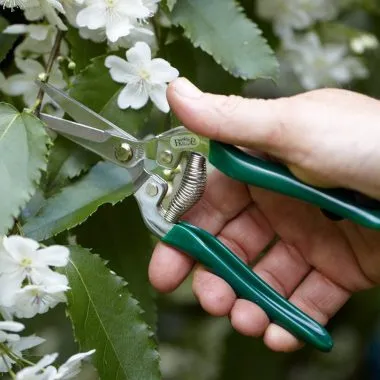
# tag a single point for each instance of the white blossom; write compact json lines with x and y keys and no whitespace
{"x":117,"y":17}
{"x":39,"y":9}
{"x":72,"y":8}
{"x":21,"y":260}
{"x":10,"y":326}
{"x":43,"y":370}
{"x":364,"y":42}
{"x":318,"y":65}
{"x":13,"y":3}
{"x":15,"y":344}
{"x":292,"y":15}
{"x":36,"y":299}
{"x":144,"y":77}
{"x":24,"y":83}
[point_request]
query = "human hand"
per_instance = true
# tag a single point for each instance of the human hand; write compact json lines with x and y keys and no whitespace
{"x":327,"y":138}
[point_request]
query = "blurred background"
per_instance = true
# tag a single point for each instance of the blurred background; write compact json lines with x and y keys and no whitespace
{"x":195,"y":346}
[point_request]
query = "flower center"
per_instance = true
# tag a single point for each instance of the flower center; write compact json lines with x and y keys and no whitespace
{"x":110,"y":3}
{"x":144,"y":74}
{"x":26,"y":262}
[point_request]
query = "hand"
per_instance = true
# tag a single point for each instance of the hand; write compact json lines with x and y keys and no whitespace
{"x":327,"y":138}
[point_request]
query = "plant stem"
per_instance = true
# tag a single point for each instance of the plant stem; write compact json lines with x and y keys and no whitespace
{"x":53,"y":55}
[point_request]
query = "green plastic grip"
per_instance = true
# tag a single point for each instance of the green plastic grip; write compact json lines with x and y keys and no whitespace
{"x":258,"y":172}
{"x":216,"y":257}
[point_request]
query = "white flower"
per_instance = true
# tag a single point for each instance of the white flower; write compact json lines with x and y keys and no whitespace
{"x":296,"y":14}
{"x":13,"y":3}
{"x":16,"y":346}
{"x":24,"y":83}
{"x":21,"y":259}
{"x":6,"y":326}
{"x":38,"y":9}
{"x":36,"y":299}
{"x":72,"y":8}
{"x":44,"y":371}
{"x":145,"y":77}
{"x":318,"y":65}
{"x":118,"y":17}
{"x":39,"y":370}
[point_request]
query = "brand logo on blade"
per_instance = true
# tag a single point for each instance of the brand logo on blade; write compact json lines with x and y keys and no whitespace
{"x":185,"y":141}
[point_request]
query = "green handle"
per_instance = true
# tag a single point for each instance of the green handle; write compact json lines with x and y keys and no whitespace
{"x":216,"y":257}
{"x":255,"y":171}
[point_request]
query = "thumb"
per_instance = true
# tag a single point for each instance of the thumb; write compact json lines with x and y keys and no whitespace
{"x":252,"y":123}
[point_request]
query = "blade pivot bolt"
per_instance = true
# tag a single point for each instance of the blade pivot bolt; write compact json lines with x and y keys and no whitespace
{"x":123,"y":152}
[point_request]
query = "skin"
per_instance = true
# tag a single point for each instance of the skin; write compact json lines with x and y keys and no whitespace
{"x":326,"y":137}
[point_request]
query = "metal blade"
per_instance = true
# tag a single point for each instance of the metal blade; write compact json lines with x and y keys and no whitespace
{"x":78,"y":130}
{"x":80,"y":113}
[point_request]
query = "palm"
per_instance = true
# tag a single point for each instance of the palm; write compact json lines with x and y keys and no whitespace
{"x":316,"y":263}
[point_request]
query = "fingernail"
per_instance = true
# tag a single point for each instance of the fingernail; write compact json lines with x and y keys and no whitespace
{"x":185,"y":88}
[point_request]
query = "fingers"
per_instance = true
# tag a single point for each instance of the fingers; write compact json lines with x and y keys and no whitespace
{"x":255,"y":123}
{"x":283,"y":268}
{"x":223,"y":200}
{"x":318,"y":297}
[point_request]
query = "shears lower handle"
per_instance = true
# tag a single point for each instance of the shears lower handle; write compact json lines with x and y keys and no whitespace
{"x":215,"y":256}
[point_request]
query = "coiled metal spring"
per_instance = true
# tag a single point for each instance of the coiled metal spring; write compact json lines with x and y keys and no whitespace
{"x":191,"y":189}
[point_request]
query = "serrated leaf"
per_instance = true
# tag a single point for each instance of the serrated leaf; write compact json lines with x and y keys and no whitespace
{"x":81,"y":50}
{"x":220,"y":28}
{"x":95,"y":88}
{"x":127,"y":246}
{"x":67,"y":160}
{"x":6,"y":40}
{"x":107,"y":318}
{"x":23,"y":150}
{"x":105,"y":183}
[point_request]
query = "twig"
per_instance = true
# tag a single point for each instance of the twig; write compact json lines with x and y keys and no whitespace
{"x":53,"y":55}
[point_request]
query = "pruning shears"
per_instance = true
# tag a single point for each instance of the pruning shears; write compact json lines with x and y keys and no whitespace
{"x":162,"y":204}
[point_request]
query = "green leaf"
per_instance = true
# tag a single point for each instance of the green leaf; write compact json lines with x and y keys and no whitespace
{"x":83,"y":51}
{"x":105,"y":183}
{"x":67,"y":160}
{"x":6,"y":40}
{"x":95,"y":88}
{"x":23,"y":151}
{"x":171,"y":4}
{"x":105,"y":317}
{"x":220,"y":28}
{"x":128,"y":248}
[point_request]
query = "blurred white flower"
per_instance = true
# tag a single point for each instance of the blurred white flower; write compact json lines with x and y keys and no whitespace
{"x":43,"y":370}
{"x":21,"y":259}
{"x":13,"y":3}
{"x":117,"y":17}
{"x":296,"y":14}
{"x":72,"y":8}
{"x":16,"y":345}
{"x":36,"y":299}
{"x":318,"y":65}
{"x":24,"y":83}
{"x":39,"y":9}
{"x":10,"y":326}
{"x":145,"y":77}
{"x":364,"y":42}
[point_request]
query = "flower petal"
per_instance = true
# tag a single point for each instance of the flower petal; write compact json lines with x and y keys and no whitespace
{"x":10,"y":284}
{"x":140,"y":54}
{"x":20,"y":247}
{"x":55,"y":255}
{"x":45,"y":276}
{"x":16,"y":84}
{"x":16,"y":29}
{"x":157,"y":93}
{"x":25,"y":343}
{"x":161,"y":71}
{"x":11,"y":326}
{"x":133,"y":95}
{"x":72,"y":366}
{"x":118,"y":28}
{"x":121,"y":71}
{"x":92,"y":17}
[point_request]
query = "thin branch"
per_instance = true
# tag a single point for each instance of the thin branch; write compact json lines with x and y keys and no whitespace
{"x":53,"y":55}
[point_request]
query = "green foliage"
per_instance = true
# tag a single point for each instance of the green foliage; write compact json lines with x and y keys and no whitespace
{"x":6,"y":40}
{"x":221,"y":29}
{"x":127,"y":247}
{"x":23,"y":150}
{"x":107,"y":318}
{"x":66,"y":161}
{"x":105,"y":183}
